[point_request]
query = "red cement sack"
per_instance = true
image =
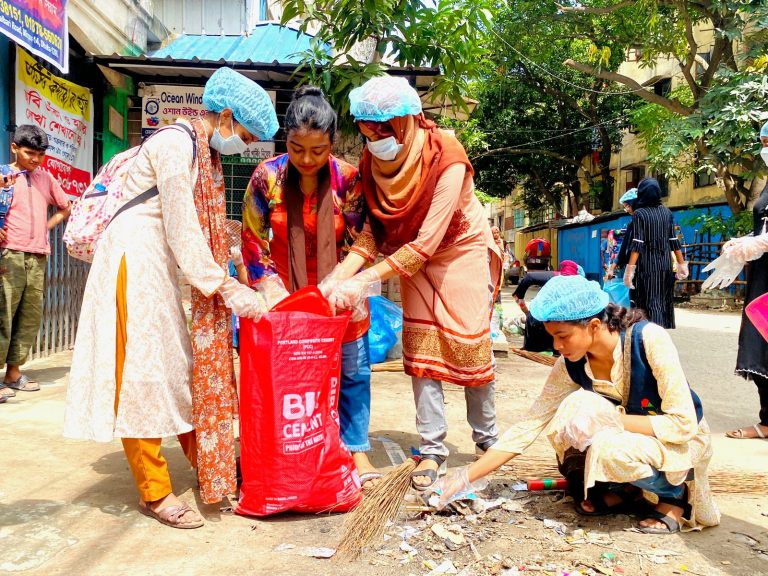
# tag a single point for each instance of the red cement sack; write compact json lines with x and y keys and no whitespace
{"x":291,"y":454}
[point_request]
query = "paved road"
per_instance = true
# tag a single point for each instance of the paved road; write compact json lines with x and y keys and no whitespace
{"x":707,"y":343}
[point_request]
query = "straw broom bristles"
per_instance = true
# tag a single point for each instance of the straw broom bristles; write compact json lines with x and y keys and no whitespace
{"x":535,"y":356}
{"x":366,"y":523}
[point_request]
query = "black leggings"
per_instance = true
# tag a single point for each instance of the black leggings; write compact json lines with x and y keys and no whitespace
{"x":762,"y":391}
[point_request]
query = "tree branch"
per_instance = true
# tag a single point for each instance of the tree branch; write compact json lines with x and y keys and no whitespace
{"x":594,"y":10}
{"x":544,"y":190}
{"x":641,"y":91}
{"x":523,"y":151}
{"x":553,"y":91}
{"x":693,"y":50}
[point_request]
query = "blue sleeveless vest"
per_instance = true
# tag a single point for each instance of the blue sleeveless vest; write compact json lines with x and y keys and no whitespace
{"x":644,"y":399}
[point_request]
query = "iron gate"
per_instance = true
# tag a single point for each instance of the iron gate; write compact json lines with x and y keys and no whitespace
{"x":63,"y":294}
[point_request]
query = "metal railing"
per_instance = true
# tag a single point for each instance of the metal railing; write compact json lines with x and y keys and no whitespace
{"x":63,"y":294}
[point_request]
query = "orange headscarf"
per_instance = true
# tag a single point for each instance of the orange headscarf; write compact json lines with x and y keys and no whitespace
{"x":399,"y":192}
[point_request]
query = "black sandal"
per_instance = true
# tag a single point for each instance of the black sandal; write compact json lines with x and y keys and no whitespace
{"x":428,"y":472}
{"x":672,"y":525}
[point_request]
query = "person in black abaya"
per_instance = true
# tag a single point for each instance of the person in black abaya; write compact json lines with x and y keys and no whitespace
{"x":649,"y":274}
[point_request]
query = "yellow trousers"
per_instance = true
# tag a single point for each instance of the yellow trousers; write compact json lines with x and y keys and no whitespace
{"x":149,"y":468}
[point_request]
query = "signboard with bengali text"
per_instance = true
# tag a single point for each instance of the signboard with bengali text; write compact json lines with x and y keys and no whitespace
{"x":65,"y":112}
{"x":162,"y":105}
{"x":40,"y":26}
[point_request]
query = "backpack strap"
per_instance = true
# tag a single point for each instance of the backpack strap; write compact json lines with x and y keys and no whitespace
{"x":152,"y":192}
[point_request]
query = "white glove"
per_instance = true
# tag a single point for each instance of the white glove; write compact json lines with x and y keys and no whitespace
{"x":726,"y":268}
{"x":746,"y":248}
{"x":629,"y":276}
{"x":456,"y":486}
{"x":236,"y":255}
{"x":330,"y":282}
{"x":242,"y":300}
{"x":682,"y":271}
{"x":608,"y":274}
{"x":272,"y":289}
{"x":351,"y":294}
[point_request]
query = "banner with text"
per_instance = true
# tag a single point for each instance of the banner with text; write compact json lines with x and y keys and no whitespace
{"x":65,"y":112}
{"x":161,"y":106}
{"x":40,"y":26}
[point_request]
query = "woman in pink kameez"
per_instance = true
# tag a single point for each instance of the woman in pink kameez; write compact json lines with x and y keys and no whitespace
{"x":425,"y":219}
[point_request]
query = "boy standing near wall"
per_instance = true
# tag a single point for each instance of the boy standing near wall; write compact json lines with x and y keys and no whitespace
{"x":24,"y":199}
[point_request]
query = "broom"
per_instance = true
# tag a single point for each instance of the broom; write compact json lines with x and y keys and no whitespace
{"x":366,"y":523}
{"x":535,"y":356}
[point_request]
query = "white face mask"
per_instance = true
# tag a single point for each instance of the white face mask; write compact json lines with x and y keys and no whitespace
{"x":385,"y":149}
{"x":764,"y":155}
{"x":232,"y":145}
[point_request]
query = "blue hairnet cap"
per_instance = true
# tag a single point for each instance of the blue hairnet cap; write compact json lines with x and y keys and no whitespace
{"x":580,"y":270}
{"x":764,"y":130}
{"x":250,"y":104}
{"x":568,"y":298}
{"x":383,"y":98}
{"x":628,"y":196}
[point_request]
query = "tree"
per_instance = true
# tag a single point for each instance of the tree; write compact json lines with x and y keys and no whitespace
{"x":447,"y":34}
{"x":711,"y":124}
{"x":536,"y":121}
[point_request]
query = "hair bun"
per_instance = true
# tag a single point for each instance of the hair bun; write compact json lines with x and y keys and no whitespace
{"x":308,"y":90}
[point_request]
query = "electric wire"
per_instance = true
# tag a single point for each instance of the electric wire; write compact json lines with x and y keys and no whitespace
{"x":568,"y":82}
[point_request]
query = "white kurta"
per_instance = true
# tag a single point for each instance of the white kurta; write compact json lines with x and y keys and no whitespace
{"x":155,"y":237}
{"x":679,"y":442}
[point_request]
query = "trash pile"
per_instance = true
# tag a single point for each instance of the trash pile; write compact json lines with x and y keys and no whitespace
{"x":511,"y":531}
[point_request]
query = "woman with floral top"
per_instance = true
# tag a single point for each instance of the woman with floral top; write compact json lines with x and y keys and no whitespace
{"x":301,"y":211}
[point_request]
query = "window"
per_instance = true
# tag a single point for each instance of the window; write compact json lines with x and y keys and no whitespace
{"x":635,"y":54}
{"x":519,"y":217}
{"x":663,"y":87}
{"x":536,"y":217}
{"x":703,"y":178}
{"x":707,"y":57}
{"x":636,"y":174}
{"x":663,"y":184}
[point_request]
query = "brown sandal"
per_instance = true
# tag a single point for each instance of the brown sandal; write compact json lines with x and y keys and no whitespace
{"x":740,"y":433}
{"x":171,"y":516}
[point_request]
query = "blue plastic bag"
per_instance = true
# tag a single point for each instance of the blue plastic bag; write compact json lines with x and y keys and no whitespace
{"x":386,"y":325}
{"x":617,"y":292}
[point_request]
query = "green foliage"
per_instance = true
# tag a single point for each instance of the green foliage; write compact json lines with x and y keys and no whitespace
{"x":534,"y":122}
{"x":716,"y":129}
{"x":726,"y":124}
{"x":447,"y":34}
{"x":725,"y":228}
{"x":666,"y":136}
{"x":483,"y":197}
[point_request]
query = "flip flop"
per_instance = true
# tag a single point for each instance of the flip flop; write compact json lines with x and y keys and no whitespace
{"x":672,"y":525}
{"x":6,"y":392}
{"x":367,"y":477}
{"x":738,"y":434}
{"x":171,"y":516}
{"x":428,"y":472}
{"x":23,"y":384}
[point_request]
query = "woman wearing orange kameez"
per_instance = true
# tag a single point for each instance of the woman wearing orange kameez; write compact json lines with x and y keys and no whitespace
{"x":425,"y":219}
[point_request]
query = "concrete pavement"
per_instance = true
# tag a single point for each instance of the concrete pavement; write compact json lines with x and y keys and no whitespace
{"x":70,"y":507}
